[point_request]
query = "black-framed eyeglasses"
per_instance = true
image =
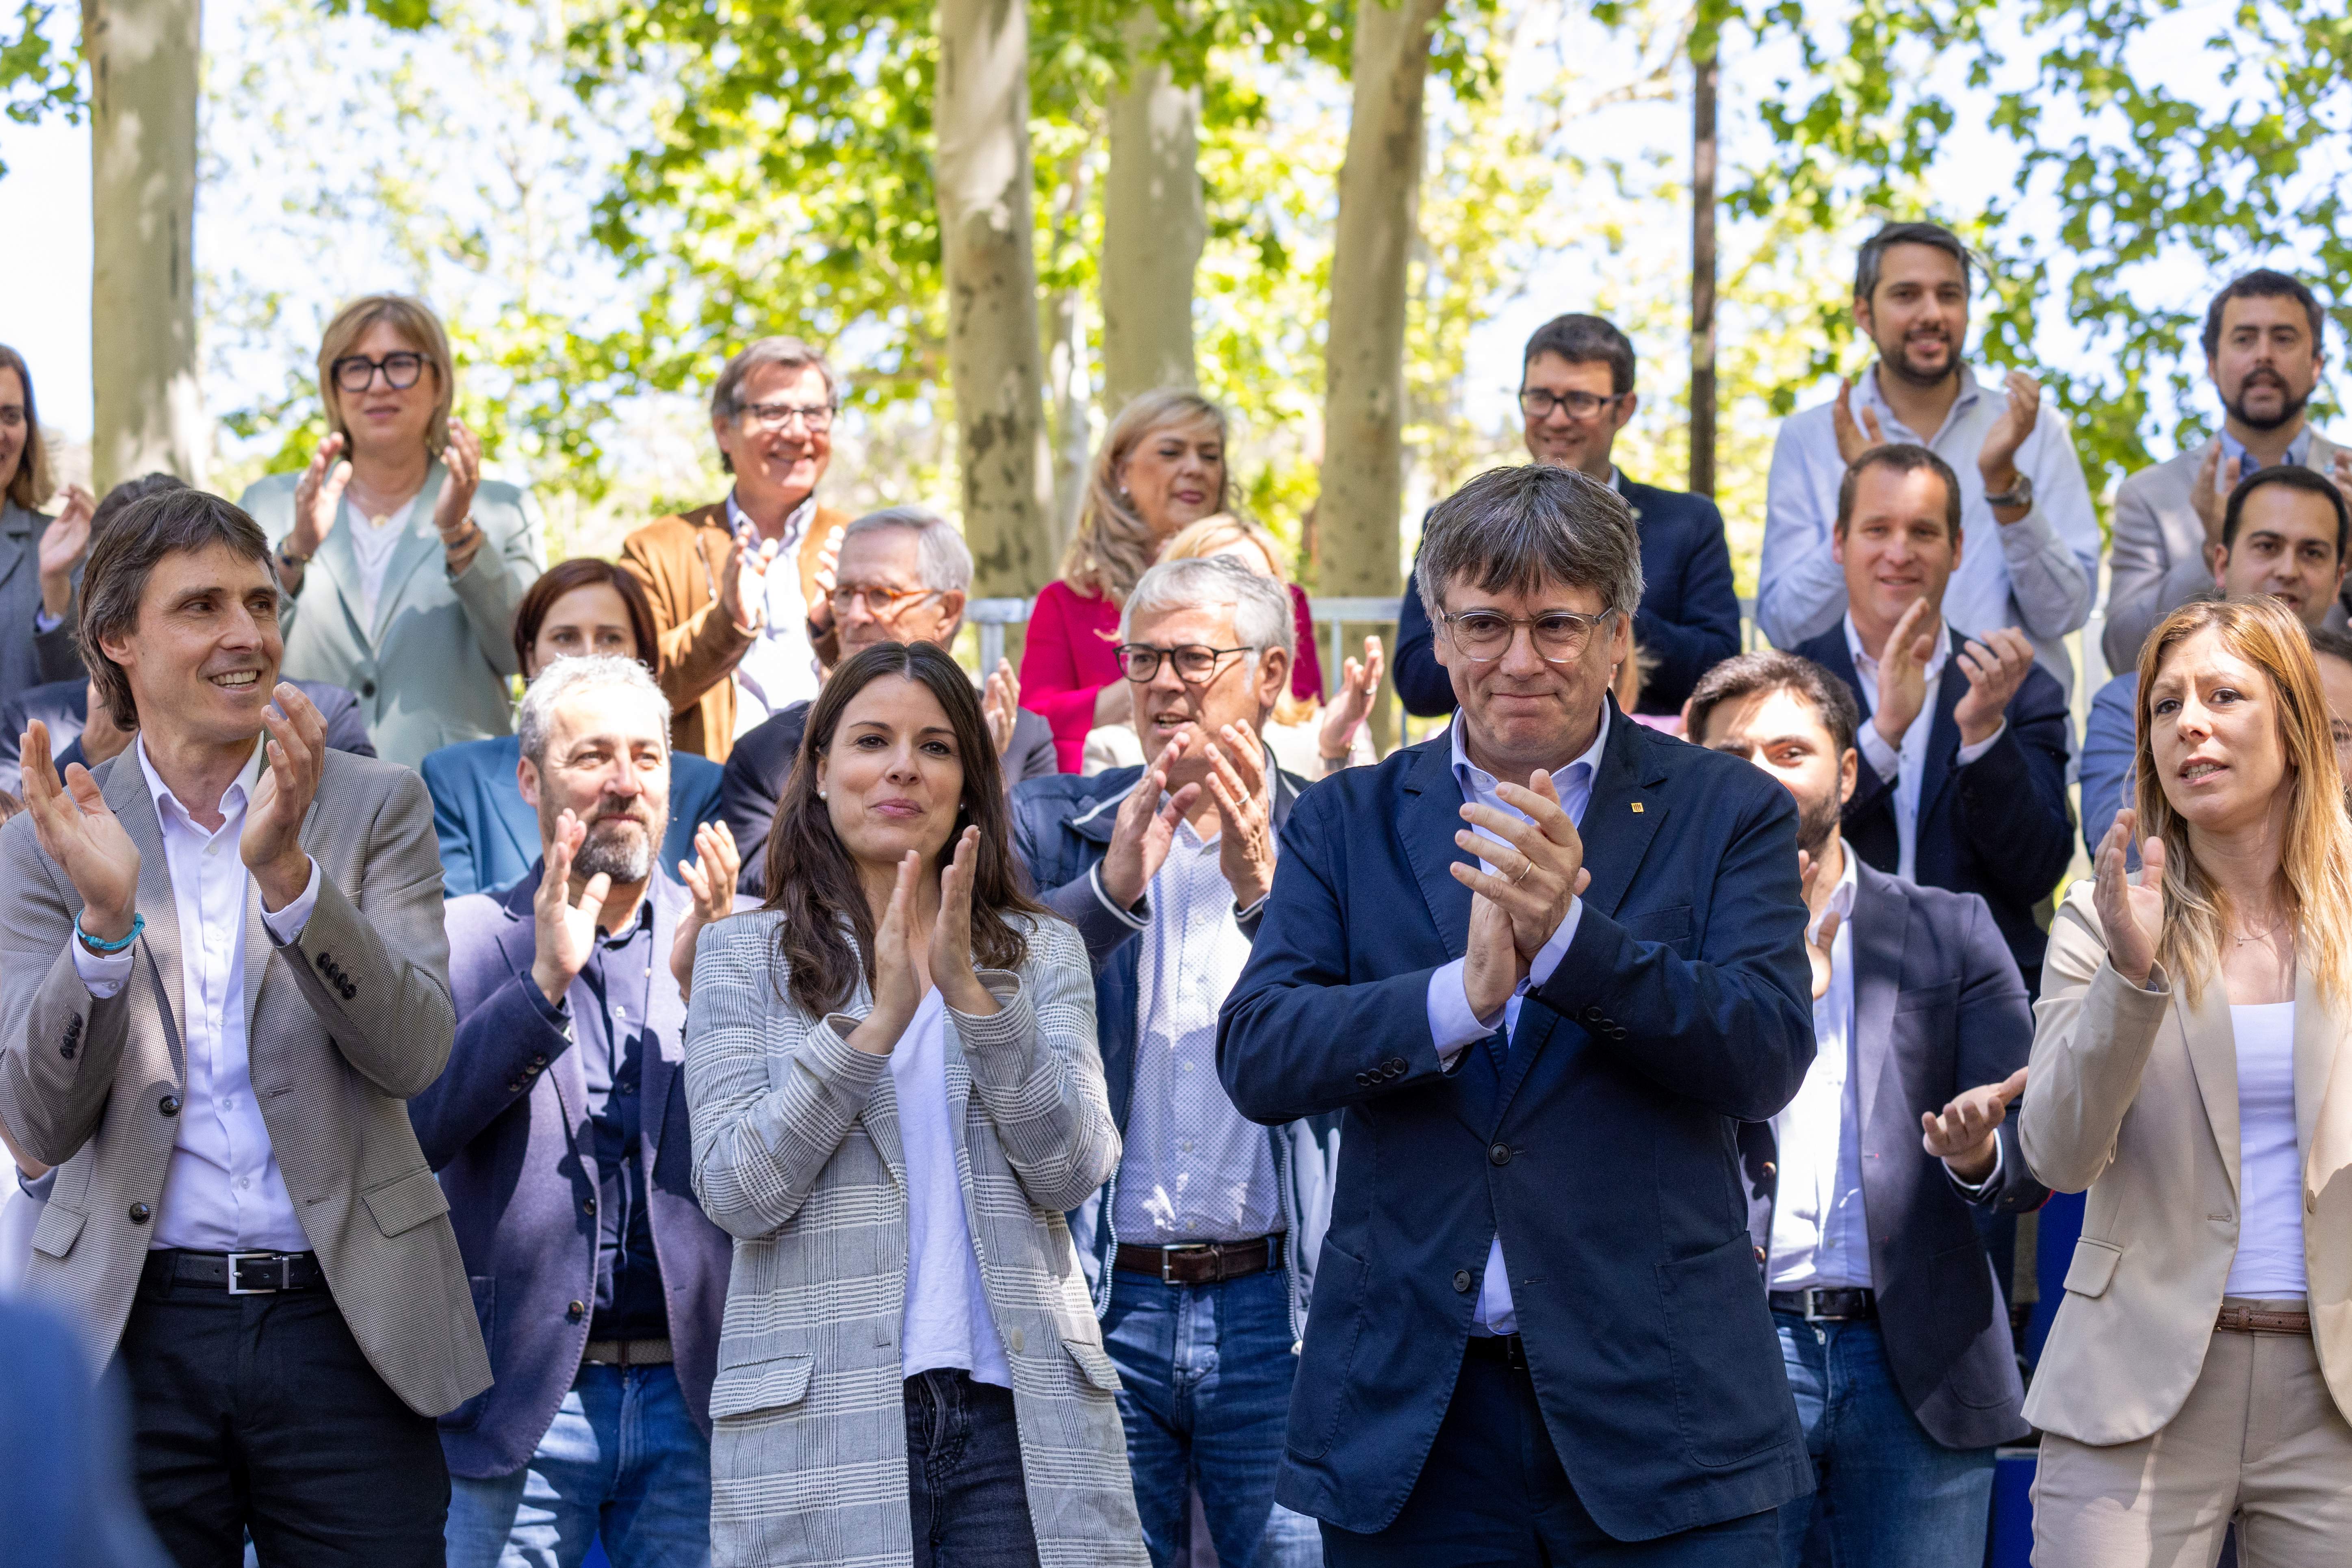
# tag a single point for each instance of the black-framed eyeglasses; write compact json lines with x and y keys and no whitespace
{"x":816,"y":416}
{"x":1559,"y":635}
{"x":1538,"y":402}
{"x":356,"y":373}
{"x":882,"y":604}
{"x":1195,"y":665}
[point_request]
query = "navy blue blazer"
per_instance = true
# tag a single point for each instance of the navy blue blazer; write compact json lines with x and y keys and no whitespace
{"x":489,"y":832}
{"x":1689,"y":619}
{"x":1602,"y":1141}
{"x":507,"y":1127}
{"x":64,"y":707}
{"x":2002,"y":827}
{"x":1938,"y":1009}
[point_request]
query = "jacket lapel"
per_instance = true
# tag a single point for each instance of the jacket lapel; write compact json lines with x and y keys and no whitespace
{"x":15,"y":539}
{"x":339,"y":564}
{"x":125,"y":791}
{"x":1944,"y":734}
{"x":2213,"y":1056}
{"x":1427,"y":818}
{"x":1880,"y":925}
{"x":2317,"y":1031}
{"x":665,"y":1017}
{"x":419,"y":540}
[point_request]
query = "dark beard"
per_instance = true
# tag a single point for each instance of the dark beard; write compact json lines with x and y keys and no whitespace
{"x":2291,"y":409}
{"x":1816,"y":820}
{"x":1899,"y":362}
{"x":612,"y":850}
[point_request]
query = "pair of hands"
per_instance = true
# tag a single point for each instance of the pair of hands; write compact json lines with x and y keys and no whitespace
{"x":80,"y":832}
{"x":743,"y":585}
{"x":1516,"y":908}
{"x":64,"y":546}
{"x":1996,"y":665}
{"x":319,"y":497}
{"x":1000,"y":704}
{"x":906,"y":963}
{"x":1239,"y":782}
{"x":1360,"y":680}
{"x":564,"y":931}
{"x":2217,"y":476}
{"x":1996,"y":461}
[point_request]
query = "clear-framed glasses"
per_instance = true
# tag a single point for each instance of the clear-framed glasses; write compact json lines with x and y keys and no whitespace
{"x":816,"y":417}
{"x":356,"y":373}
{"x":882,"y":604}
{"x":1195,"y":665}
{"x":1538,"y":402}
{"x":1559,"y":635}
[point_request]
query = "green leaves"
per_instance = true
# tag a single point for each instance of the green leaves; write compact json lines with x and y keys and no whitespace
{"x":39,"y":76}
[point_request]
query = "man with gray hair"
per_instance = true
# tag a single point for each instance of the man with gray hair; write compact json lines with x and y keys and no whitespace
{"x":904,"y":575}
{"x":1540,"y":968}
{"x":738,"y":587}
{"x":1198,"y":1247}
{"x":559,"y":1133}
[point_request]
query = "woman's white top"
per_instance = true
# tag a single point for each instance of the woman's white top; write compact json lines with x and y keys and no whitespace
{"x":372,"y":542}
{"x":2269,"y":1264}
{"x":946,"y":1322}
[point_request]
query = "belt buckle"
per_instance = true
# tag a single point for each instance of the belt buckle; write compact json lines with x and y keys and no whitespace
{"x":1168,"y":1253}
{"x":1813,"y":1313}
{"x":236,"y":1261}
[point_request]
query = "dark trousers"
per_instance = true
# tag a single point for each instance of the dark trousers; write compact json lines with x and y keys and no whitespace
{"x":259,"y":1413}
{"x":1492,"y":1493}
{"x":970,"y":1505}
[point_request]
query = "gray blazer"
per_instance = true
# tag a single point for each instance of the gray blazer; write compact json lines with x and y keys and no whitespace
{"x":29,"y":658}
{"x":797,"y":1154}
{"x":432,"y":669}
{"x":2158,"y":560}
{"x":344,"y":1025}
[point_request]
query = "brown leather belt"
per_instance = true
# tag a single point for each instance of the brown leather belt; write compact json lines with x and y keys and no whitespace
{"x":2255,"y":1320}
{"x":1201,"y":1262}
{"x":628,"y":1353}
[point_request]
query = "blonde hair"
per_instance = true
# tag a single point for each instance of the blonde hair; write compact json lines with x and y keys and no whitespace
{"x":32,"y":484}
{"x":413,"y":319}
{"x":1113,"y":544}
{"x":1215,"y":533}
{"x":2315,"y":861}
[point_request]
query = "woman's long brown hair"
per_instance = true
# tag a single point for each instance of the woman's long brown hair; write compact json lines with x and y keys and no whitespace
{"x":812,"y":878}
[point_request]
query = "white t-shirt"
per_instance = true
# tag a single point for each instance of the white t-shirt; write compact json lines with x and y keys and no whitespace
{"x":946,"y":1321}
{"x":2269,"y":1264}
{"x":372,"y":542}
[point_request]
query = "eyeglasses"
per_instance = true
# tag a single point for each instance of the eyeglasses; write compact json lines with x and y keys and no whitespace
{"x":882,"y":604}
{"x":1536,"y":402}
{"x":356,"y":373}
{"x":1559,"y":634}
{"x":817,"y":417}
{"x":1195,"y":665}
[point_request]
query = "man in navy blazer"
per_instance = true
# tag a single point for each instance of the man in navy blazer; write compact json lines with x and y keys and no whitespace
{"x":1576,"y":392}
{"x":561,"y":1136}
{"x":1539,"y":1331}
{"x":1963,"y":775}
{"x":1894,"y":1331}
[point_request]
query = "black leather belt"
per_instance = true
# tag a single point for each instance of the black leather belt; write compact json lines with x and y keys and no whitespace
{"x":1201,"y":1262}
{"x":239,"y":1273}
{"x":1508,"y":1349}
{"x":1846,"y":1305}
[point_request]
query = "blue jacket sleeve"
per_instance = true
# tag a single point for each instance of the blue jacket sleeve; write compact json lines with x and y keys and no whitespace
{"x":2109,"y":755}
{"x":1708,"y":630}
{"x":693,"y":801}
{"x":1995,"y":1035}
{"x":459,"y":874}
{"x":1421,"y":680}
{"x":347,"y":729}
{"x":2013,"y":798}
{"x":501,"y":1047}
{"x":747,"y":801}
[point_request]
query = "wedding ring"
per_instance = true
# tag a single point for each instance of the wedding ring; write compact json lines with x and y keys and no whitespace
{"x":1524,"y":871}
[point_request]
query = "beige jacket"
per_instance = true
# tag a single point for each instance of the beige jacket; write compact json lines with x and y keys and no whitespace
{"x":343,"y":1023}
{"x":2134,"y":1095}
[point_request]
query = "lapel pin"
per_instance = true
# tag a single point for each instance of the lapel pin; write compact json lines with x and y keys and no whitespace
{"x":1637,"y":808}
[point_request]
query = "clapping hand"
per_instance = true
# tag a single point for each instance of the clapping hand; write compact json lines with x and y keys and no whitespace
{"x":2131,"y":914}
{"x":710,"y":878}
{"x":319,"y":498}
{"x":78,"y":830}
{"x":271,"y":844}
{"x":63,"y":544}
{"x":1144,"y":829}
{"x":742,"y":586}
{"x":897,"y":987}
{"x":453,"y":513}
{"x":1962,"y":1134}
{"x":1903,"y":671}
{"x":1238,"y":784}
{"x":565,"y":932}
{"x":1852,"y":440}
{"x":950,"y":954}
{"x":1540,"y":862}
{"x":1997,"y":459}
{"x":2211,"y":497}
{"x":1000,"y":704}
{"x":1349,"y":705}
{"x":1996,"y":665}
{"x":1819,"y":939}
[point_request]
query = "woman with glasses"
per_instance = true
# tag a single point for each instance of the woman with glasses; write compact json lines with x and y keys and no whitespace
{"x":896,"y":1096}
{"x":401,"y":564}
{"x":40,"y":552}
{"x":1161,"y":466}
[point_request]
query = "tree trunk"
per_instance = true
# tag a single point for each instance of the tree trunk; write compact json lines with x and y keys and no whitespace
{"x":987,"y":236}
{"x":1702,"y":327}
{"x":1362,"y":493}
{"x":149,"y":410}
{"x":1069,"y":390}
{"x":1153,"y":224}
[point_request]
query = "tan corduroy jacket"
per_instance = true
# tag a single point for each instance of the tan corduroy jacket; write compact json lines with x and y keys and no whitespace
{"x":678,"y":559}
{"x":2134,"y":1095}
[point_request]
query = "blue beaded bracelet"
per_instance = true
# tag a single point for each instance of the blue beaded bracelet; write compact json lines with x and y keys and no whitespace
{"x":138,"y":924}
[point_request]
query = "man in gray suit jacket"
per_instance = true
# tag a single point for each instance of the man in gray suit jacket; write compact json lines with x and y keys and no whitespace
{"x":2264,"y":350}
{"x":222,"y":976}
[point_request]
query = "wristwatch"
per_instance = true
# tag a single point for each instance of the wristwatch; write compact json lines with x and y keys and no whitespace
{"x":288,"y":558}
{"x":2019,"y":494}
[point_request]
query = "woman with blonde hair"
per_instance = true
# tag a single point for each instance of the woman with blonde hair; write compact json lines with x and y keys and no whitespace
{"x":1161,"y":466}
{"x":2192,"y":1068}
{"x":401,"y":564}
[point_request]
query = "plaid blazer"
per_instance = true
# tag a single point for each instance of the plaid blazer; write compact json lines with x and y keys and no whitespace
{"x":797,"y":1154}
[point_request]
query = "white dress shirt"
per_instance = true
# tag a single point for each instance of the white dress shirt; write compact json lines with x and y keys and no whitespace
{"x":1453,"y":1027}
{"x":779,"y":667}
{"x":224,"y":1192}
{"x":1820,"y":1235}
{"x":2039,"y":574}
{"x":1906,"y":768}
{"x":945,"y":1321}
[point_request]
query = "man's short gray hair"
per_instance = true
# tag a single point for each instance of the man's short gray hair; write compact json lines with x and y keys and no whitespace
{"x":942,"y":560}
{"x":584,"y":672}
{"x":1515,"y":530}
{"x":1261,"y":614}
{"x":792,"y":353}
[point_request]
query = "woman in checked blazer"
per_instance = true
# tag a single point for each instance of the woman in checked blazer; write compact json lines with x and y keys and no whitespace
{"x":896,"y":1094}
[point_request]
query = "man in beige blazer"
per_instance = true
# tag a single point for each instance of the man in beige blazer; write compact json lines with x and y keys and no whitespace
{"x":222,"y":975}
{"x":2263,"y":352}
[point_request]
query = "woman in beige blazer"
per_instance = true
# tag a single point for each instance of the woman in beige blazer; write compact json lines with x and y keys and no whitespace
{"x":2185,"y":1071}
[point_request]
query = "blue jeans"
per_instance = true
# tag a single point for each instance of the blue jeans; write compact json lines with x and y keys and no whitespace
{"x":1207,"y":1370}
{"x":966,"y":1497}
{"x":622,"y":1460}
{"x":1888,"y":1493}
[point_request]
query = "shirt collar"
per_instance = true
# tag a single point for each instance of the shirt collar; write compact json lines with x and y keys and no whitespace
{"x":1865,"y":665}
{"x":738,"y":520}
{"x":1465,"y":772}
{"x":1841,"y":897}
{"x":1867,"y":391}
{"x":2298,"y":451}
{"x":240,"y":786}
